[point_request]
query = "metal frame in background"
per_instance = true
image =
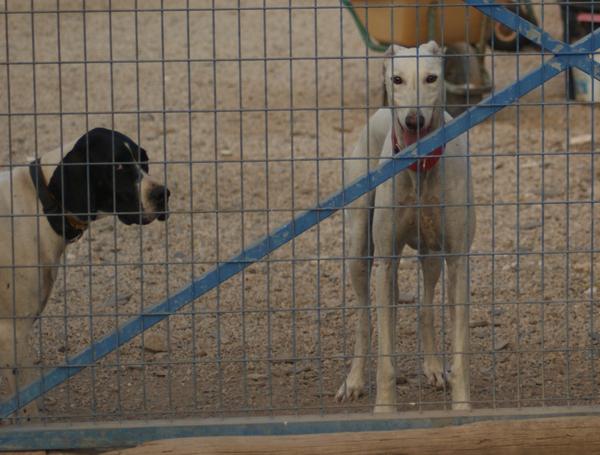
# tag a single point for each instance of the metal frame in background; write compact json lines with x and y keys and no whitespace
{"x":569,"y":10}
{"x":565,"y":57}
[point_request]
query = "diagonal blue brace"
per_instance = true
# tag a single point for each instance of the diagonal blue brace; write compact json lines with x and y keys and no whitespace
{"x":300,"y":224}
{"x":577,"y":54}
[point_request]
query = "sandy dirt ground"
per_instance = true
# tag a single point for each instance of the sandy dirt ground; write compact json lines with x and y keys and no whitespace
{"x":246,"y":137}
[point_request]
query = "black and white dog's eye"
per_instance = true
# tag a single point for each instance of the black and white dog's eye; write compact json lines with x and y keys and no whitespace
{"x":431,"y":78}
{"x":397,"y":80}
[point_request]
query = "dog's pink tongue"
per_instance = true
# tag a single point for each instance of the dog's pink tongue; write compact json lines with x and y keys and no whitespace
{"x":410,"y":137}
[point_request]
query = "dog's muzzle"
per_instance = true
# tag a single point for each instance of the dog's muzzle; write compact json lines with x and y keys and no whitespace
{"x":415,"y":121}
{"x":159,"y":197}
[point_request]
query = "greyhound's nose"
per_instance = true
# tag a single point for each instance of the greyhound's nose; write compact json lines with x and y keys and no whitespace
{"x":415,"y":121}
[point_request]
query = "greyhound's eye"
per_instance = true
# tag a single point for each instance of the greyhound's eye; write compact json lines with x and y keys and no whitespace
{"x":431,"y":78}
{"x":397,"y":80}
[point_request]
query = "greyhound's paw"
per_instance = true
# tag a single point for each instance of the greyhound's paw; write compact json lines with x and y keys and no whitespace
{"x":351,"y":389}
{"x":404,"y":297}
{"x":433,"y":368}
{"x":461,"y":406}
{"x":384,"y":409}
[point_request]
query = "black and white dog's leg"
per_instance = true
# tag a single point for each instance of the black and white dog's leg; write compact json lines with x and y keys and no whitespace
{"x":16,"y":360}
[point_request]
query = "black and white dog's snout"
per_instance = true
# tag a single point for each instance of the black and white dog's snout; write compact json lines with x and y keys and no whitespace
{"x":415,"y":121}
{"x":159,"y":195}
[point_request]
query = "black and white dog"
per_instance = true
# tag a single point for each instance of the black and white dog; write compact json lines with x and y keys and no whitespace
{"x":49,"y":204}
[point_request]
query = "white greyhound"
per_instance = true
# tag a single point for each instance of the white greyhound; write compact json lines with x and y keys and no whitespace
{"x":427,"y":207}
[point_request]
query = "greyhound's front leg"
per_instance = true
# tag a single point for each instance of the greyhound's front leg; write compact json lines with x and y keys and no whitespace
{"x":458,"y":296}
{"x":385,"y":281}
{"x":360,"y":270}
{"x":433,"y":367}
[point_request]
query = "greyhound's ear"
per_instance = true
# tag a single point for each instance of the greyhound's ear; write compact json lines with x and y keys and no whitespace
{"x":434,"y":48}
{"x":388,"y":54}
{"x":392,"y":50}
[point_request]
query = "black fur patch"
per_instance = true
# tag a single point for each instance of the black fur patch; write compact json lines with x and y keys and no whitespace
{"x":100,"y":173}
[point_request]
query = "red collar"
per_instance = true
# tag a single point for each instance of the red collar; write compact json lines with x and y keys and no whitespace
{"x":423,"y":163}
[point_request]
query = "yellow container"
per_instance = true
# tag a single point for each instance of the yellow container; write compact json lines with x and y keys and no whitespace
{"x":397,"y":21}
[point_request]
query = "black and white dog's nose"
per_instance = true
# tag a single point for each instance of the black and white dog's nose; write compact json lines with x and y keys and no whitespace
{"x":415,"y":121}
{"x":160,"y":195}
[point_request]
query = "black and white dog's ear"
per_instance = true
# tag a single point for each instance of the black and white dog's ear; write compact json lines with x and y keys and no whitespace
{"x":143,"y":159}
{"x":143,"y":155}
{"x":73,"y":181}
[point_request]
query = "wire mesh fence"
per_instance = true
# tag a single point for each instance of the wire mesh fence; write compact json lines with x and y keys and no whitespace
{"x":248,"y":111}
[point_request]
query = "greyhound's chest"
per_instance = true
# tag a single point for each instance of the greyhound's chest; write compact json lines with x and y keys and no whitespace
{"x":422,"y":214}
{"x":425,"y":232}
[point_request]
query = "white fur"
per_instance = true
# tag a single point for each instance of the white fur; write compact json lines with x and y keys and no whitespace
{"x":414,"y":94}
{"x":30,"y":248}
{"x":429,"y":230}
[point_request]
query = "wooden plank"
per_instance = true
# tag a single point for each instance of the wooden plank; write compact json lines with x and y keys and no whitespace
{"x":552,"y":436}
{"x":110,"y":435}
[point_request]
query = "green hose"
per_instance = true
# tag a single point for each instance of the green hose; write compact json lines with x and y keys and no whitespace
{"x":364,"y":33}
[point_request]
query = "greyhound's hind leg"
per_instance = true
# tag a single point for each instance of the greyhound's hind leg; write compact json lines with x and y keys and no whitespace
{"x":459,"y":310}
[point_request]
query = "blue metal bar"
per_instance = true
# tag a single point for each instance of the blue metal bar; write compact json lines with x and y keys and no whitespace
{"x":577,"y":55}
{"x":297,"y":226}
